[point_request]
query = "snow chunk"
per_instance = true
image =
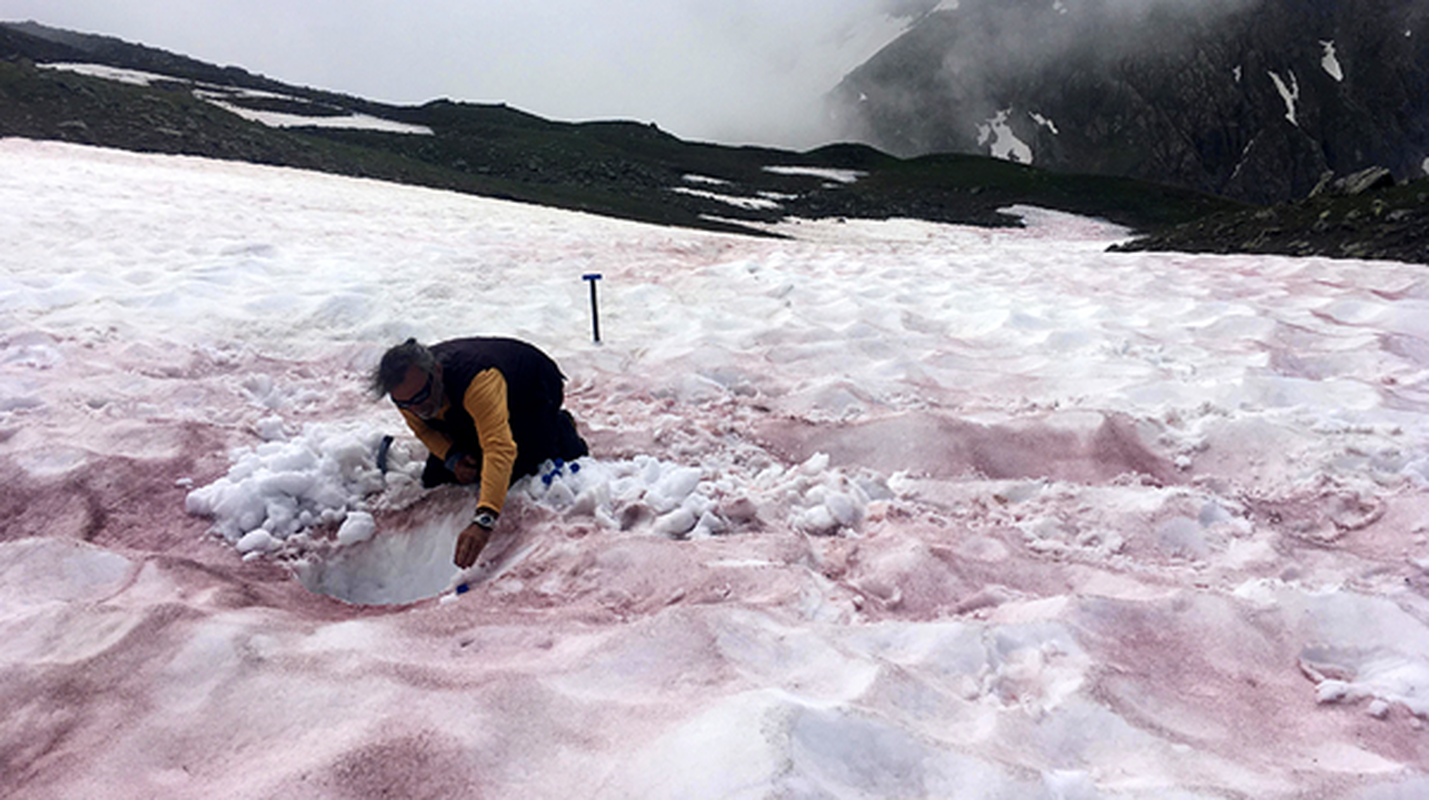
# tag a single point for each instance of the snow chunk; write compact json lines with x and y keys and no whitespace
{"x":258,"y":540}
{"x":285,"y":488}
{"x":673,"y":488}
{"x":358,"y":527}
{"x":679,"y":501}
{"x":270,"y":429}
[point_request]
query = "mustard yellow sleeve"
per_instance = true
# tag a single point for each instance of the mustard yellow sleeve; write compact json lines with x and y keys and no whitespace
{"x":485,"y":401}
{"x":437,"y":443}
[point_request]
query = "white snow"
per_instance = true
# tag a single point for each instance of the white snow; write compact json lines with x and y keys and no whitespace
{"x":728,"y":199}
{"x":278,"y":119}
{"x":1001,"y":141}
{"x":1290,"y":93}
{"x":883,"y":509}
{"x":826,"y":173}
{"x":132,"y":77}
{"x":1044,"y":122}
{"x":1330,"y":63}
{"x":220,"y":95}
{"x":693,"y":178}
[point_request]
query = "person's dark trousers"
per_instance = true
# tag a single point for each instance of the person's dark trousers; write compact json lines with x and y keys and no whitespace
{"x":553,"y":436}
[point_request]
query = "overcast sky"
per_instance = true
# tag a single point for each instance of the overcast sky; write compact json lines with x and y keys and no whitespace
{"x":736,"y":71}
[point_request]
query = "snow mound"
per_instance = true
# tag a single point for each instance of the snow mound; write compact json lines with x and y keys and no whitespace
{"x":319,"y":502}
{"x":281,"y":489}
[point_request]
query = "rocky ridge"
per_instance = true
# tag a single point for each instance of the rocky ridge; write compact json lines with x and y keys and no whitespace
{"x":630,"y":170}
{"x":1250,"y":99}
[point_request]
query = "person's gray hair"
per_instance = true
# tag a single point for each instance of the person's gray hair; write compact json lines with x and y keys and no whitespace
{"x":392,"y":369}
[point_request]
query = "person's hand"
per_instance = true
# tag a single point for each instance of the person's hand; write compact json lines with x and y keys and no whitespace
{"x":473,"y":538}
{"x":467,"y":469}
{"x":469,"y":544}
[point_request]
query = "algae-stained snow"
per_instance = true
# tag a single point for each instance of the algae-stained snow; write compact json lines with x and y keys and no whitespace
{"x":887,"y":509}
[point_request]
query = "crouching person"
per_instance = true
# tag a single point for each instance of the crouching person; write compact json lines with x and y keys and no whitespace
{"x":489,"y":412}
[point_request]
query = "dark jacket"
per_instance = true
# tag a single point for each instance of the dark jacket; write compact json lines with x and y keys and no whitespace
{"x":503,"y":406}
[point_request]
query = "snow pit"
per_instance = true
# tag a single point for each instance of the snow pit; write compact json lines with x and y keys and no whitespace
{"x":318,"y":503}
{"x":399,"y":566}
{"x":309,"y":502}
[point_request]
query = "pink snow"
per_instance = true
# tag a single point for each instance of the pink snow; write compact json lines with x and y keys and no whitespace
{"x":975,"y":513}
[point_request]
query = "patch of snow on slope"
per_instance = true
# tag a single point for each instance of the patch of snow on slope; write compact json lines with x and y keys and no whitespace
{"x":1330,"y":62}
{"x":1002,"y":142}
{"x":827,"y":173}
{"x":133,"y":77}
{"x":1044,"y":122}
{"x":1290,"y":94}
{"x":752,"y":203}
{"x":218,"y":96}
{"x":278,"y":119}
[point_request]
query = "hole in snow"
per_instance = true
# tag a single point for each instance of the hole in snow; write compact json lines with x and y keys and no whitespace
{"x":402,"y":564}
{"x":319,"y":502}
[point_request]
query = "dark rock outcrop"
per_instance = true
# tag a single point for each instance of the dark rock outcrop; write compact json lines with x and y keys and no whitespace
{"x":1250,"y":99}
{"x":1360,"y":216}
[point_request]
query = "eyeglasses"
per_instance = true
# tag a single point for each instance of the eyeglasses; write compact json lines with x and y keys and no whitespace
{"x":420,"y":397}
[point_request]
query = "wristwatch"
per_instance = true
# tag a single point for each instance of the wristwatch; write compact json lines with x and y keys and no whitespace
{"x":485,"y":518}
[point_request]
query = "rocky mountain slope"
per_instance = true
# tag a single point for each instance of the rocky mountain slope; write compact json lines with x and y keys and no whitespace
{"x":147,"y":99}
{"x":1364,"y":215}
{"x":1249,"y":99}
{"x":102,"y":91}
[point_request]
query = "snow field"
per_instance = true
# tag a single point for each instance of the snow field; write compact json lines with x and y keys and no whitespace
{"x":887,"y":508}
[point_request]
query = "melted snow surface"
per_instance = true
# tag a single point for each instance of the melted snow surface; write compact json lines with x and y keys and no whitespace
{"x":887,"y":509}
